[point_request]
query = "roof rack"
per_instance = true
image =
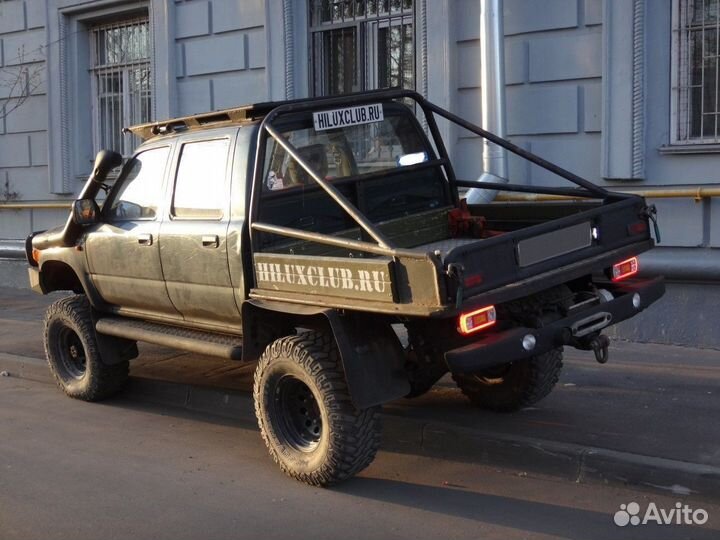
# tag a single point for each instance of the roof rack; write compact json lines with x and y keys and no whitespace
{"x":225,"y":116}
{"x":237,"y":114}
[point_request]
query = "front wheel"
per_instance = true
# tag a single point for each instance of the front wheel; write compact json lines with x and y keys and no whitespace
{"x":513,"y":386}
{"x":306,"y":417}
{"x":73,"y":353}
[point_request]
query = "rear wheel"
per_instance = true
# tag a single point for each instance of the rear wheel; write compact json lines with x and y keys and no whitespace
{"x":515,"y":385}
{"x":306,"y":417}
{"x":72,"y":352}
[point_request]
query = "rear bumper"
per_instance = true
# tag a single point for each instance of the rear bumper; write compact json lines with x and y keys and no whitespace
{"x":506,"y":346}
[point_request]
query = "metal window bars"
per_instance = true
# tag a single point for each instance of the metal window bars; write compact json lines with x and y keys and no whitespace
{"x":361,"y":44}
{"x":697,"y":54}
{"x":122,"y":81}
{"x":383,"y":246}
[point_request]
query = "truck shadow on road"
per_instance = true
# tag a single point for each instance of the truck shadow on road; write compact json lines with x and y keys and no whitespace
{"x":514,"y":513}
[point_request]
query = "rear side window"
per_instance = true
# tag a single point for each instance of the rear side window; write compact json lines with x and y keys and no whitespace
{"x":139,"y":191}
{"x":200,"y":181}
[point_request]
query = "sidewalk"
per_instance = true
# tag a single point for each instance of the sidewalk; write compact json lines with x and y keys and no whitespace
{"x":649,"y":416}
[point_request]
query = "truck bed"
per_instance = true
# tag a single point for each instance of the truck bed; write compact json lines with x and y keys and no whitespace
{"x":530,"y":246}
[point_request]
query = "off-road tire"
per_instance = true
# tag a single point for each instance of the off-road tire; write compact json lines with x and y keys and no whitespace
{"x":72,"y":352}
{"x":347,"y":438}
{"x":521,"y":384}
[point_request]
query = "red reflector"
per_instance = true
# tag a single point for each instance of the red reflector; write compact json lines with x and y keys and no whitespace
{"x":624,"y":269}
{"x":639,"y":227}
{"x":472,"y":281}
{"x":477,"y":320}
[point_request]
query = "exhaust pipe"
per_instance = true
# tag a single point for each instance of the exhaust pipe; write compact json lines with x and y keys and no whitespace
{"x":492,"y":90}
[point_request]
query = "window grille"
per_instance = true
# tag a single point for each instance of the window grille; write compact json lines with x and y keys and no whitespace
{"x":122,"y":81}
{"x":696,"y":46}
{"x":361,"y":45}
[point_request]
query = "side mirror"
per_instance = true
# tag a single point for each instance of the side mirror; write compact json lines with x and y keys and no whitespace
{"x":85,"y":212}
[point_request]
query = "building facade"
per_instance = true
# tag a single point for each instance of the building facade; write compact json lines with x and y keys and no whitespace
{"x":623,"y":92}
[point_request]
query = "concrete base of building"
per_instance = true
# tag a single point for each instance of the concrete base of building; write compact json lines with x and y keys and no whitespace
{"x":13,"y":273}
{"x":687,"y":315}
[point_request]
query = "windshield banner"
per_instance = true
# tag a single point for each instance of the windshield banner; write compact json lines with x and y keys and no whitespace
{"x":350,"y":116}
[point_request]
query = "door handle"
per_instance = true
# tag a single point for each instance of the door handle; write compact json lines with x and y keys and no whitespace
{"x":211,"y":240}
{"x":145,"y":239}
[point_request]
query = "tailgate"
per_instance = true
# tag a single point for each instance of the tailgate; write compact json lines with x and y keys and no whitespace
{"x":613,"y":229}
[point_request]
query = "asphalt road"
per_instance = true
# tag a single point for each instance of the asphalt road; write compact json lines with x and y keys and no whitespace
{"x":121,"y":469}
{"x":654,"y":400}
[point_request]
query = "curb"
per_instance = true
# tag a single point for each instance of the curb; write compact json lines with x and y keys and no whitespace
{"x":576,"y":463}
{"x":13,"y":271}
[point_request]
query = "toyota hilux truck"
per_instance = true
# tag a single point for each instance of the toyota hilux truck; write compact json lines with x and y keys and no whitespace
{"x":327,"y":241}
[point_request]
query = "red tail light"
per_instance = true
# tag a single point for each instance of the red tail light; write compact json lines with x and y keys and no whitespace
{"x":477,"y":320}
{"x":625,"y":269}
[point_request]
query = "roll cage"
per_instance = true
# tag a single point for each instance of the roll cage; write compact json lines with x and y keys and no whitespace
{"x":382,"y":245}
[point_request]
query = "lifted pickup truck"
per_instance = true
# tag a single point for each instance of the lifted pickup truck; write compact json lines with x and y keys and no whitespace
{"x":303,"y":236}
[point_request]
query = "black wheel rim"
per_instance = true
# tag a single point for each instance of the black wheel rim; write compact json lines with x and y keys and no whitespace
{"x":72,"y":353}
{"x":297,"y":414}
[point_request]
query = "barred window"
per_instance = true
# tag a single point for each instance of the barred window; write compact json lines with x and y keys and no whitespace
{"x":696,"y":45}
{"x":122,"y":82}
{"x":361,"y":45}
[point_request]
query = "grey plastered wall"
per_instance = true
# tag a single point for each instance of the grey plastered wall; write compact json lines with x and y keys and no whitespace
{"x":207,"y":54}
{"x":684,"y":222}
{"x":567,"y":69}
{"x":570,"y":66}
{"x":221,"y":50}
{"x":686,"y":315}
{"x":665,"y":165}
{"x":553,"y":69}
{"x":23,"y":121}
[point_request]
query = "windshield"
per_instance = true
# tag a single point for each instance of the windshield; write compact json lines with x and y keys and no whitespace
{"x":346,"y":142}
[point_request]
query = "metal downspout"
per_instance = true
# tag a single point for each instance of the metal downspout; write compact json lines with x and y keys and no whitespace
{"x":289,"y":43}
{"x":492,"y":81}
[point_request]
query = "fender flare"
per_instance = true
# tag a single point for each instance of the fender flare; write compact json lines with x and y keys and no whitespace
{"x":75,"y":262}
{"x":371,"y":353}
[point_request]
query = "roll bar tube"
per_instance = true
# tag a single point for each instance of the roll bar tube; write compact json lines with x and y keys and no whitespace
{"x":329,"y":188}
{"x":384,"y":246}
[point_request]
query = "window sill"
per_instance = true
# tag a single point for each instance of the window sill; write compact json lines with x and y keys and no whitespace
{"x":680,"y":149}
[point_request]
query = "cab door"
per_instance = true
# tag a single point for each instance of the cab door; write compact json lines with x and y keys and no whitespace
{"x":123,"y":251}
{"x":193,"y":235}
